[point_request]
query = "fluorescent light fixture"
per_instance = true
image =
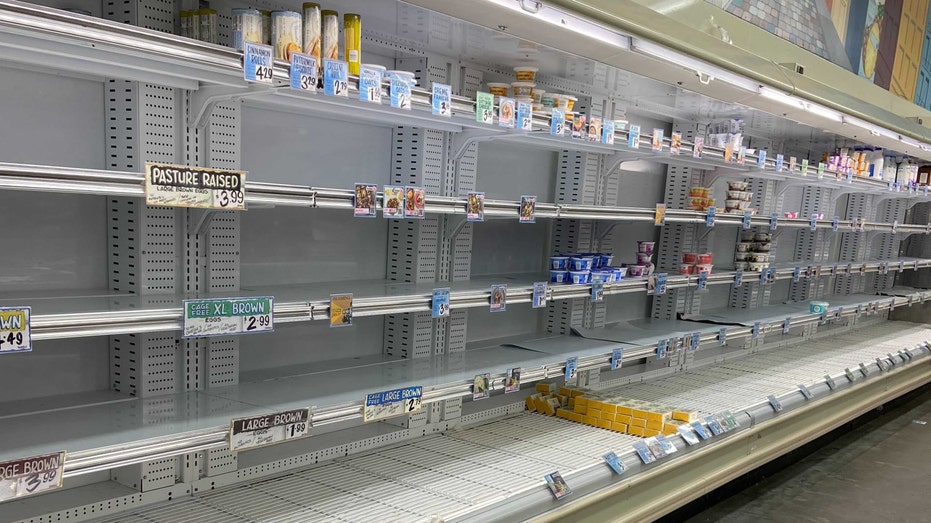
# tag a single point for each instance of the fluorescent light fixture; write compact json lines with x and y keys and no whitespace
{"x":875,"y":130}
{"x":781,"y":97}
{"x":824,"y":112}
{"x":566,"y":20}
{"x":704,"y":70}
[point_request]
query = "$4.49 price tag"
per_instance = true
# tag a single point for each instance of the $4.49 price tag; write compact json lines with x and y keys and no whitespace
{"x":391,"y":403}
{"x":200,"y":187}
{"x":258,"y":431}
{"x":226,"y":316}
{"x":28,"y":476}
{"x":15,"y":334}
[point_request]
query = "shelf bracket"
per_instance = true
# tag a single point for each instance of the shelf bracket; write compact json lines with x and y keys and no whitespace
{"x":602,"y":229}
{"x":454,"y":225}
{"x":203,"y":100}
{"x":462,"y":141}
{"x":199,"y":220}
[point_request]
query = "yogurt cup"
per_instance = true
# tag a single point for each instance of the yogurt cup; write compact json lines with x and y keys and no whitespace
{"x":686,"y":268}
{"x":578,"y":277}
{"x":596,"y":259}
{"x":498,"y":88}
{"x":741,"y":265}
{"x":646,"y":247}
{"x":547,"y":100}
{"x":744,"y":246}
{"x":559,"y":276}
{"x":705,"y":259}
{"x":522,"y":88}
{"x":602,"y":276}
{"x":606,"y":259}
{"x":525,"y":73}
{"x":644,"y":258}
{"x":619,"y":273}
{"x":703,"y":268}
{"x":580,"y":263}
{"x":689,"y":258}
{"x":741,"y":256}
{"x":817,"y":307}
{"x":562,"y":102}
{"x":571,"y":102}
{"x":559,"y":263}
{"x":537,"y":96}
{"x":738,"y":186}
{"x":637,"y":270}
{"x":401,"y":75}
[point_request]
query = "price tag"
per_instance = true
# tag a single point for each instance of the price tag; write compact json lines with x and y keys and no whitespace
{"x":572,"y":368}
{"x":738,"y":277}
{"x":814,"y":222}
{"x":787,"y":325}
{"x":891,"y":358}
{"x":498,"y":298}
{"x":796,"y":273}
{"x":557,"y":123}
{"x":722,"y":336}
{"x":557,"y":485}
{"x":895,"y":226}
{"x":228,"y":316}
{"x":200,"y":187}
{"x":607,"y":132}
{"x":335,"y":78}
{"x":370,"y":84}
{"x":400,"y":93}
{"x":830,"y":381}
{"x":28,"y":476}
{"x":891,"y":185}
{"x":615,"y":463}
{"x":770,"y":276}
{"x":303,"y":72}
{"x":862,"y":224}
{"x":820,"y":170}
{"x":481,"y":387}
{"x":598,"y":291}
{"x":525,"y":116}
{"x":258,"y":431}
{"x":702,"y":280}
{"x":741,"y":155}
{"x":898,"y":187}
{"x":901,"y":265}
{"x":617,"y":359}
{"x":805,"y":392}
{"x":779,"y":162}
{"x":709,"y":218}
{"x":849,"y":374}
{"x":849,"y":178}
{"x":835,"y":223}
{"x":761,"y":160}
{"x":442,"y":100}
{"x":507,"y":112}
{"x":805,"y":167}
{"x":849,"y":268}
{"x":816,"y":273}
{"x":924,"y":190}
{"x":512,"y":381}
{"x":485,"y":108}
{"x":656,"y":284}
{"x":633,"y":137}
{"x":257,"y":63}
{"x":698,"y":146}
{"x":746,"y":221}
{"x":764,"y":277}
{"x":859,"y":311}
{"x":917,"y":264}
{"x":774,"y":403}
{"x":539,"y":294}
{"x":661,"y":347}
{"x":340,"y":310}
{"x":864,"y":370}
{"x":440,"y":303}
{"x":773,"y":221}
{"x":15,"y":331}
{"x":391,"y":403}
{"x":659,"y":216}
{"x":657,"y":143}
{"x":755,"y":330}
{"x":694,"y":341}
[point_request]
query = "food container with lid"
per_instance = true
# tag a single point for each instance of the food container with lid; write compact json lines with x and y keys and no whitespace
{"x":619,"y":273}
{"x":762,"y":246}
{"x":313,"y":27}
{"x":548,"y":100}
{"x":246,"y":27}
{"x":703,"y":268}
{"x":580,"y":263}
{"x":402,"y":75}
{"x":571,"y":102}
{"x":743,"y":205}
{"x":731,"y":204}
{"x":602,"y":276}
{"x":525,"y":73}
{"x":352,"y":41}
{"x":741,"y":256}
{"x":738,"y":186}
{"x":537,"y":97}
{"x":643,"y":258}
{"x":562,"y":102}
{"x":759,"y":257}
{"x":498,"y":88}
{"x":742,"y":266}
{"x":637,"y":270}
{"x":699,"y":192}
{"x":705,"y":258}
{"x":687,"y":268}
{"x":522,"y":88}
{"x":646,"y":247}
{"x":559,"y":263}
{"x":559,"y":276}
{"x":579,"y":277}
{"x":606,"y":259}
{"x":818,"y":307}
{"x":763,"y":237}
{"x":689,"y":257}
{"x":744,"y":246}
{"x":757,"y":266}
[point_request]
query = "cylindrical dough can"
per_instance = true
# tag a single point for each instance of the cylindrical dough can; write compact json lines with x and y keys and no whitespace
{"x":247,"y":27}
{"x":286,"y":33}
{"x":330,"y":35}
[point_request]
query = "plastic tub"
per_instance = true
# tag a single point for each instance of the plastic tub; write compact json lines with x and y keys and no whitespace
{"x":763,"y":237}
{"x":818,"y":307}
{"x":580,"y":263}
{"x":619,"y":273}
{"x":606,"y":259}
{"x":699,"y":192}
{"x":571,"y":102}
{"x":578,"y":277}
{"x":644,"y":258}
{"x":687,"y":268}
{"x":741,"y":256}
{"x":743,"y":205}
{"x":522,"y":88}
{"x":537,"y":98}
{"x":744,"y":246}
{"x":689,"y":257}
{"x":762,"y":247}
{"x":525,"y":73}
{"x":602,"y":276}
{"x":760,"y":257}
{"x":738,"y":186}
{"x":562,"y":102}
{"x":548,"y":100}
{"x":559,"y":263}
{"x":731,"y":204}
{"x":637,"y":270}
{"x":402,"y":75}
{"x":646,"y":247}
{"x":705,"y":259}
{"x":559,"y":276}
{"x":498,"y":88}
{"x":704,"y":268}
{"x":757,"y":266}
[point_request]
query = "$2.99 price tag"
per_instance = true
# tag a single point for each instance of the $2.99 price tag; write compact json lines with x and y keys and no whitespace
{"x":227,"y":316}
{"x":390,"y":403}
{"x":257,"y":63}
{"x":28,"y":476}
{"x":15,"y":333}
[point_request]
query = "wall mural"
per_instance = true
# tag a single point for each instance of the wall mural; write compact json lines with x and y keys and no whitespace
{"x":884,"y":41}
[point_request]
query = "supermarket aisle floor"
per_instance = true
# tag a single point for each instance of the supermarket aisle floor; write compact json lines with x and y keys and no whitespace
{"x":876,"y":472}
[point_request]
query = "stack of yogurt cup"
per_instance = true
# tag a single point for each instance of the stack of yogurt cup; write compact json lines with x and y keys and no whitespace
{"x":644,"y":265}
{"x":582,"y":268}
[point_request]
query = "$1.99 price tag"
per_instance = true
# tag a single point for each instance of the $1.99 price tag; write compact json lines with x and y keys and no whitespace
{"x":257,"y":63}
{"x":258,"y":431}
{"x":200,"y":187}
{"x":15,"y":333}
{"x":28,"y":476}
{"x":227,"y":316}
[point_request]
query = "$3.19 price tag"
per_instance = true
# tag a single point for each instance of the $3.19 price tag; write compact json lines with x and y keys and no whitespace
{"x":257,"y":63}
{"x":441,"y":303}
{"x":303,"y":72}
{"x":258,"y":431}
{"x":382,"y":405}
{"x":28,"y":476}
{"x":15,"y":333}
{"x":226,"y":316}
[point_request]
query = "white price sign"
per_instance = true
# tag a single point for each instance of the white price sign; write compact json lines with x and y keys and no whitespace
{"x":258,"y":431}
{"x":28,"y":476}
{"x":391,"y":403}
{"x":15,"y":334}
{"x":226,"y":316}
{"x":183,"y":186}
{"x":257,"y":63}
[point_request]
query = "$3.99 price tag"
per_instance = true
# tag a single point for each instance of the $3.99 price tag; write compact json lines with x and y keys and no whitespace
{"x":227,"y":316}
{"x":199,"y":187}
{"x":257,"y":63}
{"x":440,"y":303}
{"x":28,"y":476}
{"x":15,"y":332}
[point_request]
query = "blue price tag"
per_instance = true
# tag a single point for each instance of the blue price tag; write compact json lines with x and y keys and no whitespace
{"x":763,"y":275}
{"x":722,"y":336}
{"x":709,"y":218}
{"x":849,"y":178}
{"x":400,"y":93}
{"x":661,"y":283}
{"x":835,"y":223}
{"x":370,"y":84}
{"x":779,"y":163}
{"x":702,"y":280}
{"x":607,"y":132}
{"x":924,"y":189}
{"x":572,"y":368}
{"x":303,"y":72}
{"x":761,"y":160}
{"x":696,"y":339}
{"x":440,"y":303}
{"x":814,"y":222}
{"x":891,"y":185}
{"x":747,"y":216}
{"x":796,"y":273}
{"x":524,"y":116}
{"x":257,"y":63}
{"x":661,"y":347}
{"x":557,"y":123}
{"x":787,"y":325}
{"x":738,"y":277}
{"x":539,"y":294}
{"x":633,"y":137}
{"x":617,"y":359}
{"x":335,"y":78}
{"x":442,"y":100}
{"x":773,"y":221}
{"x":598,"y":291}
{"x":755,"y":331}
